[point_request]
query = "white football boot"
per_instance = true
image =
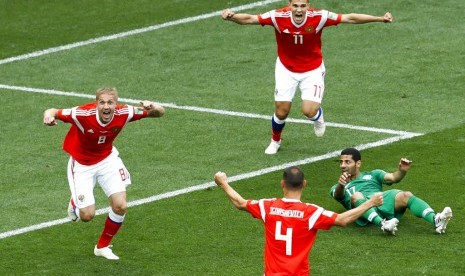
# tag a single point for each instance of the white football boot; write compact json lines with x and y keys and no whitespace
{"x":442,"y":219}
{"x":273,"y":147}
{"x":319,"y":126}
{"x":105,"y":252}
{"x":390,"y":225}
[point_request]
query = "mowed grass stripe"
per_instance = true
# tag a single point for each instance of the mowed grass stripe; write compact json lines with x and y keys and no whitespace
{"x":130,"y":33}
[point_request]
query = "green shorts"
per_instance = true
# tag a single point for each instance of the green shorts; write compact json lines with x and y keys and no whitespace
{"x":385,"y":211}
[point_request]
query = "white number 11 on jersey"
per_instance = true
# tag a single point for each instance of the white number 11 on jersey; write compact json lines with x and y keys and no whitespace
{"x":287,"y":237}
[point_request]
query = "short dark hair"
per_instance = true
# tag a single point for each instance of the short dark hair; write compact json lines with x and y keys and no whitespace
{"x":293,"y":177}
{"x":354,"y":152}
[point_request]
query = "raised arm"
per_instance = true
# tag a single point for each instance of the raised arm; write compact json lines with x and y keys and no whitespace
{"x":339,"y":190}
{"x":236,"y":199}
{"x":350,"y":216}
{"x":240,"y":18}
{"x":397,"y":176}
{"x":356,"y":18}
{"x":153,"y":109}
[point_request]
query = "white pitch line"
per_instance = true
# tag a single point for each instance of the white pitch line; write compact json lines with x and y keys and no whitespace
{"x":130,"y":33}
{"x":209,"y":110}
{"x":402,"y":134}
{"x":206,"y":185}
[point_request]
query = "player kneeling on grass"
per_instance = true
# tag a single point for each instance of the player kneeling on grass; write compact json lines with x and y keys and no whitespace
{"x":355,"y":187}
{"x":93,"y":159}
{"x":290,"y":224}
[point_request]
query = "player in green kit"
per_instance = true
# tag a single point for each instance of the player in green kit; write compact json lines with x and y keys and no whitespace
{"x":355,"y":187}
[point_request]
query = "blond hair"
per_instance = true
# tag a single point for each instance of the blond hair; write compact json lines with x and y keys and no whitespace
{"x":107,"y":90}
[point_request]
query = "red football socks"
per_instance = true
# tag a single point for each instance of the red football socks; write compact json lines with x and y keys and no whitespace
{"x":110,"y":229}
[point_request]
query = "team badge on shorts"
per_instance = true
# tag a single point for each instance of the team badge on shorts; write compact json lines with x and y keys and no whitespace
{"x":81,"y":198}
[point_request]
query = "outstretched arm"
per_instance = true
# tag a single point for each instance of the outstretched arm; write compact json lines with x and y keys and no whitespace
{"x":236,"y":199}
{"x":153,"y":109}
{"x":350,"y":216}
{"x":356,"y":18}
{"x":397,"y":176}
{"x":240,"y":18}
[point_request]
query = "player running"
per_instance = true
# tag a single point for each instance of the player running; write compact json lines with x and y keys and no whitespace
{"x":93,"y":158}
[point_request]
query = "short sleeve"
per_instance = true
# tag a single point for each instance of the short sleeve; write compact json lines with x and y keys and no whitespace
{"x":253,"y":207}
{"x":322,"y":219}
{"x":265,"y":18}
{"x":65,"y":115}
{"x":138,"y":113}
{"x":379,"y":176}
{"x":333,"y":19}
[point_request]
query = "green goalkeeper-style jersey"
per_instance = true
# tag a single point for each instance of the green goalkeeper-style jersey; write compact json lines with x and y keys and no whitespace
{"x":367,"y":183}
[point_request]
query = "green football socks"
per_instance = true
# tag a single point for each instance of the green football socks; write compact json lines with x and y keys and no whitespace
{"x":421,"y":209}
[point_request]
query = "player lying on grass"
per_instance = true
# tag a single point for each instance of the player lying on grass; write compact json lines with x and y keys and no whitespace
{"x":291,"y":225}
{"x":355,"y":187}
{"x":93,"y":158}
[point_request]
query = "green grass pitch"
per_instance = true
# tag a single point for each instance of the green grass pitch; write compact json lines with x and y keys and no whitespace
{"x":394,"y":89}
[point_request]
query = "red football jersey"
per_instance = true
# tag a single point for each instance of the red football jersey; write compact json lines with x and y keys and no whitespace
{"x":299,"y":45}
{"x":88,"y":140}
{"x":290,"y":230}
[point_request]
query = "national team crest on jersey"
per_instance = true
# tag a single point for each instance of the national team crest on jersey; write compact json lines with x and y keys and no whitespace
{"x":115,"y":129}
{"x":309,"y":29}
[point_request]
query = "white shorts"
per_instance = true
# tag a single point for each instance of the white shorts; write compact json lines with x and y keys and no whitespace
{"x":311,"y":84}
{"x":110,"y":173}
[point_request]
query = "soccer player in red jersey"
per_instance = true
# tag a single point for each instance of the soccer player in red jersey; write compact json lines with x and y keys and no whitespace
{"x":299,"y":64}
{"x":93,"y":158}
{"x":290,"y":224}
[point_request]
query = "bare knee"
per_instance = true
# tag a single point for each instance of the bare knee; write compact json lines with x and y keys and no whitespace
{"x":402,"y":198}
{"x":310,"y":109}
{"x":120,"y":208}
{"x":310,"y":113}
{"x":86,"y":216}
{"x":282,"y":110}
